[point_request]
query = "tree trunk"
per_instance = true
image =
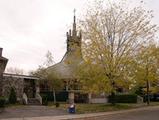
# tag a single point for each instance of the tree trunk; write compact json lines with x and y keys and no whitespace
{"x":148,"y":95}
{"x":89,"y":98}
{"x":113,"y":101}
{"x":54,"y":94}
{"x":147,"y":83}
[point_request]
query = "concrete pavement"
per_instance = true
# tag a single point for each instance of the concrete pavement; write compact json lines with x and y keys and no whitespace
{"x":31,"y":111}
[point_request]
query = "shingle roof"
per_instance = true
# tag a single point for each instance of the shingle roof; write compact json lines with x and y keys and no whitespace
{"x":67,"y":67}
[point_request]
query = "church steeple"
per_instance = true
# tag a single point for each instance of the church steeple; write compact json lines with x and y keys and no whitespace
{"x":73,"y":39}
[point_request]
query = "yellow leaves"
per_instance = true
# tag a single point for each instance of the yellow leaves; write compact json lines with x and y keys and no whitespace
{"x":114,"y":44}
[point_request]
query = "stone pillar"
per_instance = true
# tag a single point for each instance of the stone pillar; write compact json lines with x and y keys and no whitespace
{"x":71,"y":97}
{"x":37,"y":86}
{"x":89,"y":98}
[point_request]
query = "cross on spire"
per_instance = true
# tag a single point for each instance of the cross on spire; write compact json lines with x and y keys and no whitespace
{"x":74,"y":11}
{"x":74,"y":23}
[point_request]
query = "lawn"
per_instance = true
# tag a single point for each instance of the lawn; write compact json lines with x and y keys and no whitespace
{"x":93,"y":108}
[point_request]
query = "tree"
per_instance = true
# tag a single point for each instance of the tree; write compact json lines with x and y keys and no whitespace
{"x":146,"y":72}
{"x":113,"y":34}
{"x":55,"y":83}
{"x":41,"y":71}
{"x":92,"y":79}
{"x":49,"y":59}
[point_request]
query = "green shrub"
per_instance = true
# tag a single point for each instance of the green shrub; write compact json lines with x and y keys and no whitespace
{"x":44,"y":99}
{"x":12,"y":96}
{"x":124,"y":98}
{"x":2,"y":102}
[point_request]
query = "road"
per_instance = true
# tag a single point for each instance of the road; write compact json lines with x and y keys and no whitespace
{"x":145,"y":114}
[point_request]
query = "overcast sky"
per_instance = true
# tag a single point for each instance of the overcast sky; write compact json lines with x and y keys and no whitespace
{"x":29,"y":28}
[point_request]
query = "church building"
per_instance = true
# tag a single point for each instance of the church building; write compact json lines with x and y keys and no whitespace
{"x":65,"y":69}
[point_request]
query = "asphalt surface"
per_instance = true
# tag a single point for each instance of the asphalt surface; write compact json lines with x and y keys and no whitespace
{"x":145,"y":114}
{"x":31,"y":111}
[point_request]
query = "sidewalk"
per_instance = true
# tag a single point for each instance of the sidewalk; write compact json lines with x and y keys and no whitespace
{"x":84,"y":116}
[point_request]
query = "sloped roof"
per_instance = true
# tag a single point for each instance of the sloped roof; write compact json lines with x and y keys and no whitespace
{"x":20,"y":76}
{"x":67,"y":67}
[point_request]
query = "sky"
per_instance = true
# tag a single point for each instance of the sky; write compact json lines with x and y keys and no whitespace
{"x":29,"y":28}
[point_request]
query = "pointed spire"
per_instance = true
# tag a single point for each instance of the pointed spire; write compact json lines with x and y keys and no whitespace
{"x":74,"y":15}
{"x":74,"y":23}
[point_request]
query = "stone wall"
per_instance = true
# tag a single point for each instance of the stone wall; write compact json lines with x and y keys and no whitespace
{"x":0,"y":85}
{"x":16,"y":83}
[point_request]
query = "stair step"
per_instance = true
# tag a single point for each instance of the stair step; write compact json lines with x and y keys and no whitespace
{"x":33,"y":101}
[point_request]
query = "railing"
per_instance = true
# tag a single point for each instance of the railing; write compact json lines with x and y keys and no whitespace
{"x":39,"y":97}
{"x":25,"y":99}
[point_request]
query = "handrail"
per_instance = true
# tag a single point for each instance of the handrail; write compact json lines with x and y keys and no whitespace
{"x":38,"y":96}
{"x":25,"y":98}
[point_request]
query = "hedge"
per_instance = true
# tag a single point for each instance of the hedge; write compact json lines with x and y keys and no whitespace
{"x":124,"y":98}
{"x":44,"y":99}
{"x":12,"y":96}
{"x":2,"y":102}
{"x":153,"y":97}
{"x":60,"y":96}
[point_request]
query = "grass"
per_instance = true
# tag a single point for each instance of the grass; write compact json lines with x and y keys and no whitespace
{"x":93,"y":108}
{"x":15,"y":105}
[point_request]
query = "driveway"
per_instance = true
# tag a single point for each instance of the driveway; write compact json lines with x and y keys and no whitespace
{"x":31,"y":111}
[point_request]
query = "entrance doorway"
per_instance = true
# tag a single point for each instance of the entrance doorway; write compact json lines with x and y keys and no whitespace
{"x":29,"y":88}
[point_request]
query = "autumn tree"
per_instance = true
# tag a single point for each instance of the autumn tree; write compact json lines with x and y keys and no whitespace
{"x":48,"y":77}
{"x":55,"y":83}
{"x":113,"y":33}
{"x":146,"y":69}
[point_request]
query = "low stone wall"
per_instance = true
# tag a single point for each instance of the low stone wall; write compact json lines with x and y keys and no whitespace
{"x":99,"y":100}
{"x":16,"y":83}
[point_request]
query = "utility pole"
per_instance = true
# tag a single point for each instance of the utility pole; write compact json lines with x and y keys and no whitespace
{"x":147,"y":84}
